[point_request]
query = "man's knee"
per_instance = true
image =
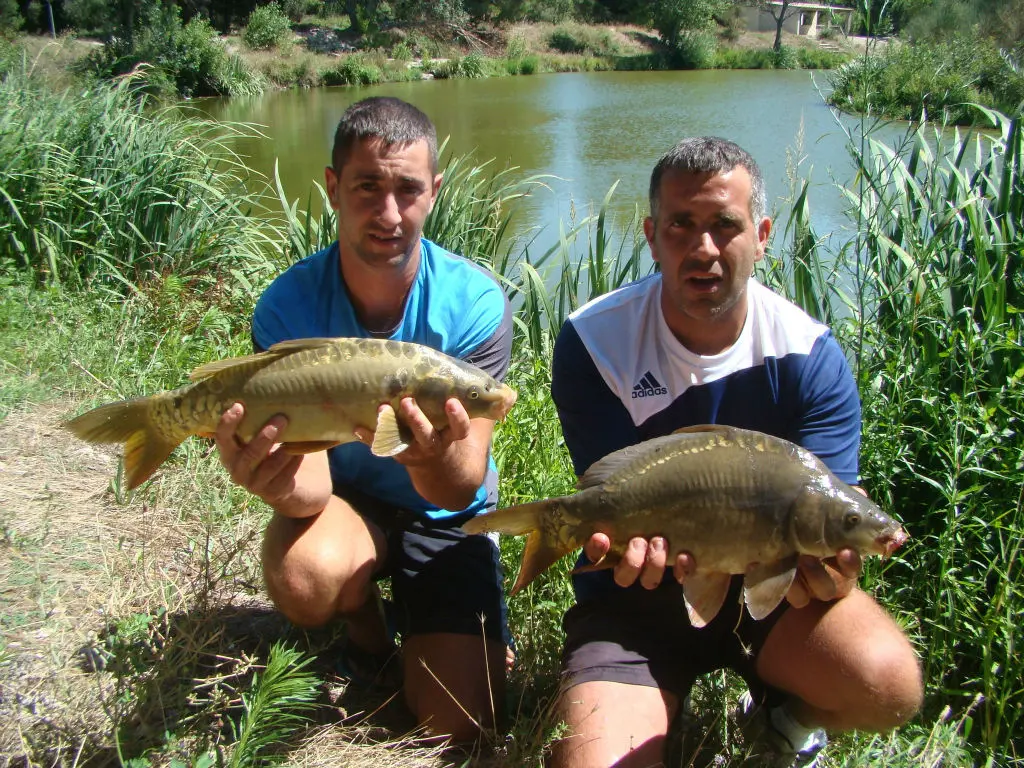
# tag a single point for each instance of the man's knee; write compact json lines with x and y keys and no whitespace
{"x":893,"y":690}
{"x":305,"y":576}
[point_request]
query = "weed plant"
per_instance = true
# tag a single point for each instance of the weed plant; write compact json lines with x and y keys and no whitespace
{"x":98,"y":192}
{"x":932,"y":80}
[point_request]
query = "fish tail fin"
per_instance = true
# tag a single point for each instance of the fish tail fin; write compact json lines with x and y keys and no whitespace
{"x":542,"y":549}
{"x":128,"y":422}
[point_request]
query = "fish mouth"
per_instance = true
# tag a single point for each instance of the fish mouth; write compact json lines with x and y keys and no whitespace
{"x":890,"y":541}
{"x":506,"y":399}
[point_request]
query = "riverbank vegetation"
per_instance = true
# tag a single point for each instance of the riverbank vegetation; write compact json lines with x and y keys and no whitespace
{"x":238,"y":48}
{"x":950,"y":56}
{"x":133,"y":627}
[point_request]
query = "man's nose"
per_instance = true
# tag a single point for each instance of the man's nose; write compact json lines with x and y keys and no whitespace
{"x":388,"y":214}
{"x":706,"y":244}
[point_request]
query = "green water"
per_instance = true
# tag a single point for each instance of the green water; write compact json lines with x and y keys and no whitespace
{"x":590,"y":130}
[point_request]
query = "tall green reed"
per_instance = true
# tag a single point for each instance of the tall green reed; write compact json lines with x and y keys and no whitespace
{"x":930,"y":313}
{"x":99,"y":190}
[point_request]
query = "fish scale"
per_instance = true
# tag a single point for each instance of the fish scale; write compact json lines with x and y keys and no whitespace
{"x":325,"y":387}
{"x":739,"y":501}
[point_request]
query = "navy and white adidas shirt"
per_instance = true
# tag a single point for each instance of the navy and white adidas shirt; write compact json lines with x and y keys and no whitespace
{"x":619,"y":377}
{"x":453,"y":306}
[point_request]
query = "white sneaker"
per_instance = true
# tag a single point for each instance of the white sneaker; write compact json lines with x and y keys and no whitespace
{"x":778,"y":737}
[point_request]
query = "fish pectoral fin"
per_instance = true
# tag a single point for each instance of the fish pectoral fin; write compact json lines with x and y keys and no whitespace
{"x":308,"y":446}
{"x":390,"y":438}
{"x":766,"y":584}
{"x":538,"y":556}
{"x":704,"y":594}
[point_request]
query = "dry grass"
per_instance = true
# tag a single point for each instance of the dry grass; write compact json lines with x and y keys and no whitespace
{"x":123,"y":621}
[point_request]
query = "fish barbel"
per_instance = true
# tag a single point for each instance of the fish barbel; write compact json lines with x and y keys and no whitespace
{"x":326,"y":388}
{"x":741,"y":502}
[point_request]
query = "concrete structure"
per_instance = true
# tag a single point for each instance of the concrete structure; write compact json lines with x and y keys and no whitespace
{"x":801,"y":18}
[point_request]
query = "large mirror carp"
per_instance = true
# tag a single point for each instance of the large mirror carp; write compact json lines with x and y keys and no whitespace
{"x":326,"y":388}
{"x":741,"y":502}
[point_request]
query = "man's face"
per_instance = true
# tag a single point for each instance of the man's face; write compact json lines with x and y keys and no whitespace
{"x":382,"y":196}
{"x":706,"y":242}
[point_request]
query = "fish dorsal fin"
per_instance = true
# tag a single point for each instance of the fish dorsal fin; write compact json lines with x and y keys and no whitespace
{"x":766,"y":584}
{"x":626,"y":462}
{"x":297,"y":345}
{"x":704,"y":594}
{"x":698,"y":428}
{"x":207,"y":370}
{"x":276,"y":352}
{"x":390,"y":438}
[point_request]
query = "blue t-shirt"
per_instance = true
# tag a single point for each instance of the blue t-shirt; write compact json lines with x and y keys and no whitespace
{"x":619,"y":377}
{"x":453,"y":306}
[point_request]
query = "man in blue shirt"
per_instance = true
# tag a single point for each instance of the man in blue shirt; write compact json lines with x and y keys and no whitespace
{"x":703,"y":342}
{"x":344,"y":517}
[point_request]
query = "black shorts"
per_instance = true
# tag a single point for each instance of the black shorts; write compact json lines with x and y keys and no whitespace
{"x":644,"y":637}
{"x":442,"y":579}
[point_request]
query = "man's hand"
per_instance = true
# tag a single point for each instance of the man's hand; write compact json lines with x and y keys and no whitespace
{"x":828,"y":579}
{"x":294,"y":485}
{"x":643,"y":559}
{"x":428,"y":443}
{"x":447,"y":465}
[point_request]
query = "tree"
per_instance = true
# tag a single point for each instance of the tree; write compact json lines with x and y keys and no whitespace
{"x":674,"y":17}
{"x":781,"y":11}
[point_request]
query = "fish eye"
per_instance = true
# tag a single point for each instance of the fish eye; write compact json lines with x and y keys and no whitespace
{"x":473,"y":394}
{"x":852,"y":519}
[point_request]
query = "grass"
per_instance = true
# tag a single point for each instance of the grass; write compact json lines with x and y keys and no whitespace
{"x":134,"y":627}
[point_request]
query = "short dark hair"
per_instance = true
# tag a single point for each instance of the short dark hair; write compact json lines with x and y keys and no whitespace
{"x":709,"y":154}
{"x":393,"y":121}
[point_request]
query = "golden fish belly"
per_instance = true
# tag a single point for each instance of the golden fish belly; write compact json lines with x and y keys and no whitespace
{"x":723,"y":533}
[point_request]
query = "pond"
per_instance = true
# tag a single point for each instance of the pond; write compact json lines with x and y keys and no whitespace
{"x":588,"y":129}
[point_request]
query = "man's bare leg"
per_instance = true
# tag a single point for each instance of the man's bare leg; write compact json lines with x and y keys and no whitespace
{"x":613,"y":724}
{"x":454,"y":684}
{"x":321,"y":567}
{"x":846,"y":662}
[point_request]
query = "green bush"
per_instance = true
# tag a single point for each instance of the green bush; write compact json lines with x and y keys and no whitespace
{"x":267,"y":28}
{"x":576,"y":38}
{"x":694,"y":50}
{"x":354,"y":70}
{"x":472,"y":65}
{"x":785,"y":58}
{"x":11,"y":20}
{"x":295,"y":10}
{"x":564,"y":41}
{"x":402,"y":52}
{"x":818,"y":58}
{"x":171,"y":59}
{"x":936,"y":80}
{"x":99,"y":189}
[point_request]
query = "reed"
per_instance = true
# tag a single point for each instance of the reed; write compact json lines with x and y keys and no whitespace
{"x":99,"y":191}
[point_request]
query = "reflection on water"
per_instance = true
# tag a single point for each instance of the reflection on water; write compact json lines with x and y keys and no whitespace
{"x":589,"y":130}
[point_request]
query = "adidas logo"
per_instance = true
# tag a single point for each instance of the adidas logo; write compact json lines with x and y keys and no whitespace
{"x":648,"y":386}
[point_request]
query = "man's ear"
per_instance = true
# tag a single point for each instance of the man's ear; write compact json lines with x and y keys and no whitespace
{"x":763,"y":230}
{"x":331,"y":181}
{"x":649,"y":233}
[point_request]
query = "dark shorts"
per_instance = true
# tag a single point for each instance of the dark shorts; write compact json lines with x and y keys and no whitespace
{"x":643,"y":637}
{"x":442,"y":579}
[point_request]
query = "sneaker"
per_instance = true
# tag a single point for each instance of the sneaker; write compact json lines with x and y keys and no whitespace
{"x":772,"y":734}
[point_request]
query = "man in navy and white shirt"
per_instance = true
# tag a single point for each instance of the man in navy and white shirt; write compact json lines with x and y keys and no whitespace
{"x":702,"y":342}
